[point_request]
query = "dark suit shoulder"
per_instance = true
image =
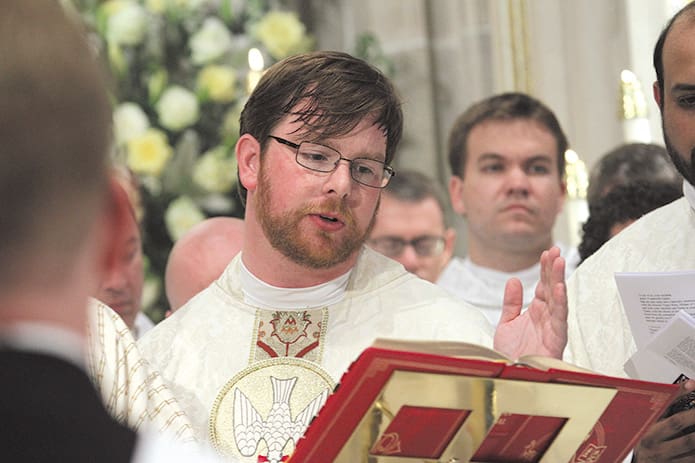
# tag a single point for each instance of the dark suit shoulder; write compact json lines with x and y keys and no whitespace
{"x":51,"y":412}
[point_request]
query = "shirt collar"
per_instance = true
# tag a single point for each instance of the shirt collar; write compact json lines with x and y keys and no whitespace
{"x":258,"y":293}
{"x":43,"y":338}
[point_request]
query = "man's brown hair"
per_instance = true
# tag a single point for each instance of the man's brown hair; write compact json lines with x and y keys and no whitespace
{"x":329,"y":92}
{"x":504,"y":107}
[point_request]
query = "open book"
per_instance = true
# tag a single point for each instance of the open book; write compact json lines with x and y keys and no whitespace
{"x":448,"y":401}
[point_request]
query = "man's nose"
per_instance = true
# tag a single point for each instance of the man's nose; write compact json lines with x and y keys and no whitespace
{"x":518,"y":182}
{"x":340,"y":180}
{"x":409,"y":258}
{"x":114,"y":280}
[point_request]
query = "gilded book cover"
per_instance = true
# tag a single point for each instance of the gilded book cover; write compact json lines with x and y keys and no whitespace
{"x":453,"y":402}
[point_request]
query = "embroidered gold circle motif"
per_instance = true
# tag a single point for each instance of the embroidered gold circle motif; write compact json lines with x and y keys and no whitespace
{"x":261,"y":412}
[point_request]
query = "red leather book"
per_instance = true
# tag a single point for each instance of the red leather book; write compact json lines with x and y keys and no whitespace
{"x":404,"y":400}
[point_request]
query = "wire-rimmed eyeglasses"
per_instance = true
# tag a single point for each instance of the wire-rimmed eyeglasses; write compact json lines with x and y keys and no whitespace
{"x":321,"y":158}
{"x":393,"y":246}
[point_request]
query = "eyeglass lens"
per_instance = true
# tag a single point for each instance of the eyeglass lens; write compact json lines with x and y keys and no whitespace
{"x":424,"y":246}
{"x":321,"y":158}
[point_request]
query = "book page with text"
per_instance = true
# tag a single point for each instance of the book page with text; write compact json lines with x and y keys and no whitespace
{"x":650,"y":300}
{"x":669,"y":354}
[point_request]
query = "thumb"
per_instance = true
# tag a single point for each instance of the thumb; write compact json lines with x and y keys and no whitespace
{"x":513,"y":300}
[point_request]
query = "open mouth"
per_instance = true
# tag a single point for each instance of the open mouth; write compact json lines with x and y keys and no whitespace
{"x":329,"y":219}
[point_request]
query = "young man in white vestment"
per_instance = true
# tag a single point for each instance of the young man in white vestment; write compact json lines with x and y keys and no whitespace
{"x":305,"y":296}
{"x":61,"y":233}
{"x":507,"y":160}
{"x":663,"y":240}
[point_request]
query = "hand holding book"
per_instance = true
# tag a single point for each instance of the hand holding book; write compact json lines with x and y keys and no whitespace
{"x":670,"y":439}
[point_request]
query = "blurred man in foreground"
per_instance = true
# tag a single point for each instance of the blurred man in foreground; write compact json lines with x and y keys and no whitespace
{"x":59,"y":238}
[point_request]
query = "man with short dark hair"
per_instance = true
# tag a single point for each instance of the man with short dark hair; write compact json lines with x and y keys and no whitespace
{"x":507,"y":160}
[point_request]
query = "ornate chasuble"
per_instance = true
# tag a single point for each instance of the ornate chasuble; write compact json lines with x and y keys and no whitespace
{"x":298,"y":334}
{"x":262,"y":411}
{"x":218,"y":350}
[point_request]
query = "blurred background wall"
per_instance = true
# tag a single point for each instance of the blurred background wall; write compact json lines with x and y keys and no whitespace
{"x":447,"y":54}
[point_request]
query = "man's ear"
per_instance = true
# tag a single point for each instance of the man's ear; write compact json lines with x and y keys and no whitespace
{"x":449,"y":242}
{"x":656,"y":91}
{"x":248,"y":155}
{"x":456,"y":194}
{"x":562,"y":197}
{"x":116,"y":217}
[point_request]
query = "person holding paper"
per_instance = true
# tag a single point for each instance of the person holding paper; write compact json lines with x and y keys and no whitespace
{"x":305,"y":296}
{"x":599,"y":334}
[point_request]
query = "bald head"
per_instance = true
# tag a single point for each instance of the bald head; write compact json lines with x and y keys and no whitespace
{"x":200,"y":256}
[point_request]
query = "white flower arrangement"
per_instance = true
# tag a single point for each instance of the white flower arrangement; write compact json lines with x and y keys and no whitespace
{"x":181,"y":73}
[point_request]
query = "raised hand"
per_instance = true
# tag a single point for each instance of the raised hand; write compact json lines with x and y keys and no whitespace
{"x":542,"y":328}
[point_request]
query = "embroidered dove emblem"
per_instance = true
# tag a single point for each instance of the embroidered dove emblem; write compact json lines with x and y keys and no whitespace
{"x":278,"y":428}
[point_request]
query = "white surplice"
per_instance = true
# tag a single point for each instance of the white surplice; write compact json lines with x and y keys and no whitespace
{"x":599,"y":333}
{"x":483,"y":287}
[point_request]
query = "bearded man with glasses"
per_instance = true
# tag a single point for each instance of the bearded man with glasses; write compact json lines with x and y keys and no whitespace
{"x":305,"y":296}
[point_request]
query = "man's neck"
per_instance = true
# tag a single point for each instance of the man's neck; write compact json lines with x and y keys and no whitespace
{"x":38,"y":307}
{"x":508,"y":260}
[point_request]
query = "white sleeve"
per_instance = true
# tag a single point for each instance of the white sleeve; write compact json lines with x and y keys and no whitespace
{"x":133,"y":392}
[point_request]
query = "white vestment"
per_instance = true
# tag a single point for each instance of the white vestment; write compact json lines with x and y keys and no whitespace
{"x":142,"y":325}
{"x":599,"y":333}
{"x":132,"y":391}
{"x":483,"y":287}
{"x":217,"y":334}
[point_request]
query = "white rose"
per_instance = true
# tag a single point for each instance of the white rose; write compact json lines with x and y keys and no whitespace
{"x":210,"y":42}
{"x":217,"y":83}
{"x":127,"y":25}
{"x":181,"y":215}
{"x":149,"y":153}
{"x":177,"y":108}
{"x":282,"y":33}
{"x":129,"y":121}
{"x":215,"y":171}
